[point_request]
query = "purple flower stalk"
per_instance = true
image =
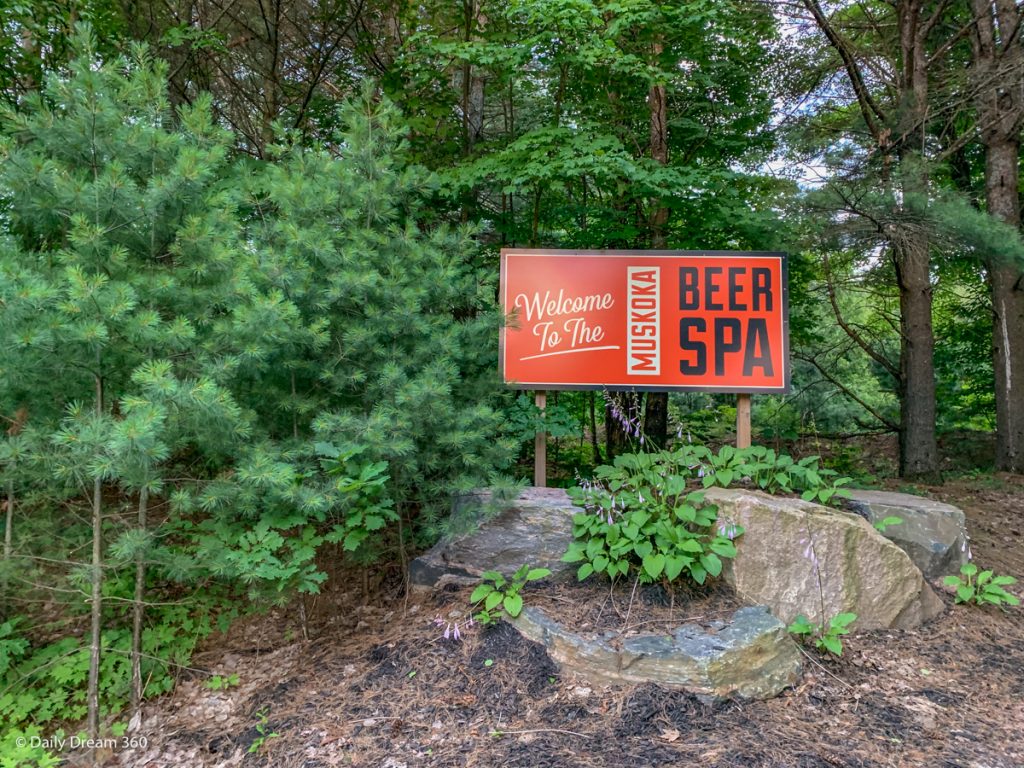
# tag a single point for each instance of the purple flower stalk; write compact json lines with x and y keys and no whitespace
{"x":451,"y":628}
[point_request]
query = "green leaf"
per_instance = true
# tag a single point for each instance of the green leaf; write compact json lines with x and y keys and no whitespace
{"x":374,"y":522}
{"x":674,"y":565}
{"x":574,"y":554}
{"x":842,"y":620}
{"x":801,"y":626}
{"x":686,"y":513}
{"x":537,"y":573}
{"x":723,"y":548}
{"x":964,"y":594}
{"x":513,"y":605}
{"x":480,"y":593}
{"x":493,"y":600}
{"x":654,"y":565}
{"x":832,"y":644}
{"x":585,"y":570}
{"x":711,"y":564}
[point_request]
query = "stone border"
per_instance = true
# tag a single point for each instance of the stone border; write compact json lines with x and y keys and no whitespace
{"x":751,"y":656}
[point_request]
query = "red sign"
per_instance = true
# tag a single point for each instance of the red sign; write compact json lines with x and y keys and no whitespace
{"x":645,"y":320}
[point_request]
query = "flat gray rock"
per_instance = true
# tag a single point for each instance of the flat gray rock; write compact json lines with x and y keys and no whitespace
{"x":932,"y":533}
{"x":535,"y":528}
{"x":751,"y":657}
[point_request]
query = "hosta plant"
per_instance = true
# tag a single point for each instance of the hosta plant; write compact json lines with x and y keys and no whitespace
{"x":497,"y":594}
{"x":643,"y":521}
{"x":827,"y":637}
{"x":982,"y":587}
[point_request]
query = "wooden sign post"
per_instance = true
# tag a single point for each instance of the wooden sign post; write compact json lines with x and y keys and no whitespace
{"x":743,"y":421}
{"x":540,"y":446}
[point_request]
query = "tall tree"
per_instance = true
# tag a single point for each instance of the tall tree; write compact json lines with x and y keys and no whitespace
{"x":891,"y":96}
{"x":997,"y":71}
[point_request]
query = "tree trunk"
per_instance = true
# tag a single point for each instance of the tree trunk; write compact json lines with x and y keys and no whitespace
{"x":997,"y":69}
{"x":656,"y":412}
{"x":96,"y":617}
{"x":138,"y":609}
{"x":8,"y":542}
{"x":919,"y":455}
{"x":616,"y":431}
{"x":1005,"y":281}
{"x":593,"y":428}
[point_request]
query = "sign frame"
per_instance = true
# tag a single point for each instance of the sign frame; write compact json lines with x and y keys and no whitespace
{"x":649,"y":254}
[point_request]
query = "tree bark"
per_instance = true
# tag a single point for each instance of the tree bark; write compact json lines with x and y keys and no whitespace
{"x":138,"y":610}
{"x":1005,"y":282}
{"x":919,"y":453}
{"x":8,"y":542}
{"x":656,"y":412}
{"x":997,"y":70}
{"x":898,"y":130}
{"x":96,"y":614}
{"x":593,"y":428}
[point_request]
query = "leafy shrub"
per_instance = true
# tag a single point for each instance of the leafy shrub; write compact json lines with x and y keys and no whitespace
{"x":499,"y":594}
{"x":642,"y":519}
{"x":47,"y":682}
{"x":827,"y":637}
{"x":646,"y":513}
{"x":981,"y":588}
{"x":772,"y":472}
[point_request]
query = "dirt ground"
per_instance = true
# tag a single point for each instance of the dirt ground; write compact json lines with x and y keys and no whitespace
{"x":378,"y":685}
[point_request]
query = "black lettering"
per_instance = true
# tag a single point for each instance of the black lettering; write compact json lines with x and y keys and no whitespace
{"x":762,"y":287}
{"x":689,"y":295}
{"x":710,"y":289}
{"x":700,"y":367}
{"x":721,"y":346}
{"x":757,"y":337}
{"x":735,"y":306}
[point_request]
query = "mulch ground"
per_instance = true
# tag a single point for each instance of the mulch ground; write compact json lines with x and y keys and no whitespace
{"x":378,"y":685}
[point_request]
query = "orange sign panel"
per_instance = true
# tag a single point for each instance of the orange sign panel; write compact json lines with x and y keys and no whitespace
{"x":645,"y":320}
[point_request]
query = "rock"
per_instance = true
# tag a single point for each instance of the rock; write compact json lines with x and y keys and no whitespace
{"x":932,"y":533}
{"x":534,"y":528}
{"x":858,"y":570}
{"x":752,"y":657}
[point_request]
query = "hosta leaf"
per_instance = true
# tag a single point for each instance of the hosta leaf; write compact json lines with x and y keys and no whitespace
{"x":480,"y":593}
{"x":711,"y":563}
{"x":674,"y":566}
{"x":654,"y":565}
{"x":513,"y":605}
